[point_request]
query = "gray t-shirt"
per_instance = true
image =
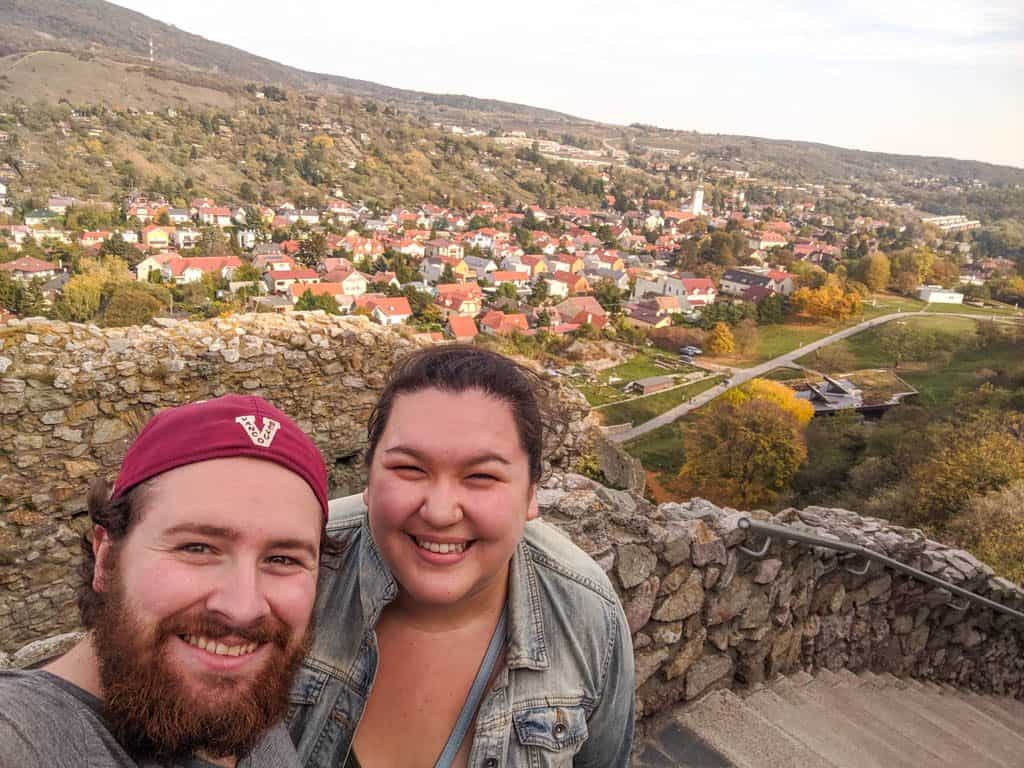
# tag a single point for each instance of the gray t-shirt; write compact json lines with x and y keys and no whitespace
{"x":47,"y":721}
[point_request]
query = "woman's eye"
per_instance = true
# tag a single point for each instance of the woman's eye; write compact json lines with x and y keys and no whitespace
{"x":482,"y":476}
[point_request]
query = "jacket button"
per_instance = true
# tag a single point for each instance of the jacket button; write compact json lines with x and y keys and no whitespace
{"x":560,"y":730}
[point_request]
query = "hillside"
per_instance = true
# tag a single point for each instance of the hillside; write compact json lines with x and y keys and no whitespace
{"x":94,"y":55}
{"x":98,"y":26}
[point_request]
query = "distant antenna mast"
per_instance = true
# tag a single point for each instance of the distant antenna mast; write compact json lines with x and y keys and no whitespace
{"x":151,"y":49}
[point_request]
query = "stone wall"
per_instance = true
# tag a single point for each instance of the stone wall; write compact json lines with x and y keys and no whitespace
{"x":705,"y":615}
{"x":72,"y":396}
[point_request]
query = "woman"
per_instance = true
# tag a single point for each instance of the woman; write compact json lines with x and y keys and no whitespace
{"x":451,"y":631}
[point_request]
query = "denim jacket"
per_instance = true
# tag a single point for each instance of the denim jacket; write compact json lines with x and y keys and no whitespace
{"x":563,"y":698}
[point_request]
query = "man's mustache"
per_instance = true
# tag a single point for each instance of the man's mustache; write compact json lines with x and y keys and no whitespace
{"x":263,"y":630}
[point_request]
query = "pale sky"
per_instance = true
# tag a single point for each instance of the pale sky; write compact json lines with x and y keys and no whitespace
{"x":923,"y":77}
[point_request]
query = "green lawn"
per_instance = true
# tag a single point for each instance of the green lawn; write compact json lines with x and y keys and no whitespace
{"x":643,"y":409}
{"x":641,"y":366}
{"x":938,"y":380}
{"x":999,"y":310}
{"x":784,"y":374}
{"x":660,"y":450}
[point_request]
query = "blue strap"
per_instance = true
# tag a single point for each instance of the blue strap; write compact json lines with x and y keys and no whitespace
{"x":476,"y":693}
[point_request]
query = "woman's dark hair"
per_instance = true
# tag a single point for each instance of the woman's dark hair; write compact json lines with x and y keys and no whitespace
{"x":460,"y":367}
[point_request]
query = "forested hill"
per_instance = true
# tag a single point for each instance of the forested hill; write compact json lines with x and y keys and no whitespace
{"x":75,"y":25}
{"x":91,"y":53}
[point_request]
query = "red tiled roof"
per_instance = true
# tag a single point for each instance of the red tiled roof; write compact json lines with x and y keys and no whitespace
{"x":462,"y":327}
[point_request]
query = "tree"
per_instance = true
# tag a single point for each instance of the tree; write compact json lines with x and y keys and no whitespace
{"x":775,"y":392}
{"x":80,"y":300}
{"x":992,"y":528}
{"x":447,"y":275}
{"x":539,"y":294}
{"x":507,"y":291}
{"x":874,"y":271}
{"x":130,"y":304}
{"x":742,"y":454}
{"x":312,"y":251}
{"x":745,"y":334}
{"x":771,"y":309}
{"x":608,"y":296}
{"x":964,"y":466}
{"x":307,"y":301}
{"x":720,"y":341}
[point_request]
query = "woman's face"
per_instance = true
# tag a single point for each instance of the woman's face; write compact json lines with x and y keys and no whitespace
{"x":448,"y":495}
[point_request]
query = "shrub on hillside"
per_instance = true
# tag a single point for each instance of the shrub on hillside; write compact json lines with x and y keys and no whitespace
{"x":992,"y":528}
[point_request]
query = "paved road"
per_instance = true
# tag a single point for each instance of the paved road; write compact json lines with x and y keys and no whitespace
{"x":743,"y":375}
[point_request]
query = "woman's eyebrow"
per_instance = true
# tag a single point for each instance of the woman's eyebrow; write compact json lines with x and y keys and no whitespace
{"x":481,"y":458}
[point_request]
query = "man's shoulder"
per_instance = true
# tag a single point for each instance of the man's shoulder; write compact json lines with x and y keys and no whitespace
{"x":552,"y":550}
{"x":41,"y":722}
{"x":345,"y":513}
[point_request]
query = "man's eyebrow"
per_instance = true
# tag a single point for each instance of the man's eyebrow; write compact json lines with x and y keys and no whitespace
{"x":481,"y":458}
{"x":232,"y":534}
{"x":203,"y":529}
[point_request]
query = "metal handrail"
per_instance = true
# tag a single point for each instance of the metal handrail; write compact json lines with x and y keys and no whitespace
{"x":783,"y":532}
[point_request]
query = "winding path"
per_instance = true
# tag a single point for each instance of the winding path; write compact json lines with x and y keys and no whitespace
{"x":743,"y":375}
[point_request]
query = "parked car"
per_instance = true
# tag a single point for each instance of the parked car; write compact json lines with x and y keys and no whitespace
{"x":691,"y":350}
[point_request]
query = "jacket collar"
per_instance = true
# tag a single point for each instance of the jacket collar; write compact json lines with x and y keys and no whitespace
{"x":526,"y":648}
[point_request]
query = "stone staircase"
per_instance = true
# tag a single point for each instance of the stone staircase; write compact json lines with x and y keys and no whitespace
{"x":839,"y":720}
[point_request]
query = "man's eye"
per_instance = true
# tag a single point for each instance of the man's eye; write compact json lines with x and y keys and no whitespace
{"x":195,"y":548}
{"x":282,"y":560}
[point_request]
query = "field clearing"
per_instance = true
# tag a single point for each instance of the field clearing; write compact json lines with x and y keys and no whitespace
{"x":646,"y":364}
{"x":641,"y":409}
{"x":938,"y":380}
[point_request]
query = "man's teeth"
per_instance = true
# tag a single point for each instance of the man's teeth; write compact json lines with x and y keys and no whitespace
{"x":212,"y":646}
{"x":441,"y":549}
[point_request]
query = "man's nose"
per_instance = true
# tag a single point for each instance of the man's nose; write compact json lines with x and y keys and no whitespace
{"x":238,"y":595}
{"x":441,"y":507}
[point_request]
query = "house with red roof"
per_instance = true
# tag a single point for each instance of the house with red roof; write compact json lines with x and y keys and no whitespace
{"x":496,"y":322}
{"x":93,"y":238}
{"x":762,"y":241}
{"x":296,"y":290}
{"x":462,"y":328}
{"x":215,"y":216}
{"x":281,"y":281}
{"x":518,"y":279}
{"x":27,"y":268}
{"x":389,"y":310}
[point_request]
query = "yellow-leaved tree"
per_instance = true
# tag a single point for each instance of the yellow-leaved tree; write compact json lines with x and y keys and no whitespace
{"x":719,"y":340}
{"x":775,"y":392}
{"x":745,"y":448}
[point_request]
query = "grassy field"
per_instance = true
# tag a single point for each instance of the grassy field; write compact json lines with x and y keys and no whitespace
{"x":641,"y":409}
{"x":998,"y":310}
{"x":938,"y":380}
{"x":641,"y":366}
{"x":784,"y":374}
{"x":660,"y":450}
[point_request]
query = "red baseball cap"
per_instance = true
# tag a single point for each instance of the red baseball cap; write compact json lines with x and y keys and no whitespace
{"x":232,"y":425}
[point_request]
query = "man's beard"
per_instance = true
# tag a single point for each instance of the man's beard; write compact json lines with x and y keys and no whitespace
{"x":151,"y":708}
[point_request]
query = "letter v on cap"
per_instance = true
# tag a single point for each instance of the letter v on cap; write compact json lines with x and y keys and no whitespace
{"x":260,"y":437}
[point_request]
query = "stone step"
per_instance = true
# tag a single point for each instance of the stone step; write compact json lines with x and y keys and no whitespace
{"x":841,"y":694}
{"x":744,"y":737}
{"x":673,"y":746}
{"x":993,"y":743}
{"x":846,"y":743}
{"x":991,"y":706}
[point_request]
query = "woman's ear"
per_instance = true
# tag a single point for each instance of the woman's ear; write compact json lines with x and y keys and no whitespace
{"x":532,"y":510}
{"x":101,"y":551}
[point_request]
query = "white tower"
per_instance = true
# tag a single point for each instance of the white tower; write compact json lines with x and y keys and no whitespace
{"x":698,"y":201}
{"x":150,"y":50}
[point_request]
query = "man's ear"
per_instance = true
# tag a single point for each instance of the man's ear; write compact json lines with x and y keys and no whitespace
{"x":366,"y":497}
{"x":101,"y":551}
{"x":533,"y":511}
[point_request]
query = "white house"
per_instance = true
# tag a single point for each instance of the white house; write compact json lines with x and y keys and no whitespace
{"x":936,"y":294}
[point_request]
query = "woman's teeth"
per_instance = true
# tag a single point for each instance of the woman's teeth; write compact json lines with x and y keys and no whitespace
{"x":212,"y":646}
{"x":440,"y":549}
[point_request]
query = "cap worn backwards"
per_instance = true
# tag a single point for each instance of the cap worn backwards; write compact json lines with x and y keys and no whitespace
{"x":232,"y":425}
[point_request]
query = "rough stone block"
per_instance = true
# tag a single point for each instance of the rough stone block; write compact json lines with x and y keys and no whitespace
{"x":706,"y":672}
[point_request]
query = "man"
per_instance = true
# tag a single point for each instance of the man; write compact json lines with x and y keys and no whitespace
{"x":200,"y":581}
